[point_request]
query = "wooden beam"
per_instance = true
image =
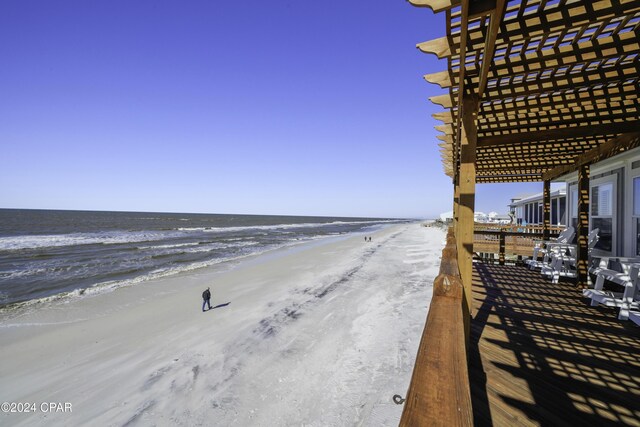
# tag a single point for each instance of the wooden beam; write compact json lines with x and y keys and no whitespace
{"x":479,"y":8}
{"x":464,"y":31}
{"x":439,"y":47}
{"x":480,"y":170}
{"x":558,"y":134}
{"x":442,"y":100}
{"x":617,"y":145}
{"x":506,"y":161}
{"x":508,"y":178}
{"x":436,"y":5}
{"x":441,"y":78}
{"x":443,"y":116}
{"x":446,"y":129}
{"x":490,"y":44}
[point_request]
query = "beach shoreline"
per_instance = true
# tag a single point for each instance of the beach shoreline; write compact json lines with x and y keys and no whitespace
{"x":147,"y":353}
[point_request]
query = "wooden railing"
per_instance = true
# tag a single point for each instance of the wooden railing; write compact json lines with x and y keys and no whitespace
{"x":504,"y":242}
{"x":531,"y":228}
{"x":439,"y":392}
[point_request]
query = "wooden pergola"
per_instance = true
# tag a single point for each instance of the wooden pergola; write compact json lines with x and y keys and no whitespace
{"x":535,"y":89}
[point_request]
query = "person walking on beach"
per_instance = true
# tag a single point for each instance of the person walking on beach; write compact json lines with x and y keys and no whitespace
{"x":206,"y":299}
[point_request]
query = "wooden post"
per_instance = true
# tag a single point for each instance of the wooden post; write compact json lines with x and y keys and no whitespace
{"x":546,"y":209}
{"x":583,"y":226}
{"x":467,"y":184}
{"x":501,"y":250}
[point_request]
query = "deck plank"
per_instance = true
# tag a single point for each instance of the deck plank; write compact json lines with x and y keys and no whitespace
{"x":541,"y":355}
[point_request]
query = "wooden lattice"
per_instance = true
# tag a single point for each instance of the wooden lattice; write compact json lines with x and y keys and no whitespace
{"x":553,"y":80}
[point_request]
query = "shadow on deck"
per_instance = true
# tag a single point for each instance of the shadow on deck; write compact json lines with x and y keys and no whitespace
{"x":541,"y":355}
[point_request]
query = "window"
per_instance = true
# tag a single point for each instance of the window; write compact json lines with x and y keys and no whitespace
{"x":636,"y":196}
{"x":562,"y":211}
{"x":602,"y":208}
{"x":574,"y":208}
{"x":636,"y":211}
{"x":540,"y":213}
{"x":554,"y":211}
{"x":602,"y":200}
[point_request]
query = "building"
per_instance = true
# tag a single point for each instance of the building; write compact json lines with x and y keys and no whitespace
{"x":614,"y":199}
{"x":529,"y":209}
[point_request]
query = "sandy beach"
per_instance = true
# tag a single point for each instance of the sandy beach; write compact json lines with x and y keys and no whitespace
{"x":323,"y":333}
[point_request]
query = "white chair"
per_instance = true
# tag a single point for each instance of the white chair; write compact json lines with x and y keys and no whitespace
{"x":626,"y":300}
{"x":563,"y":259}
{"x":634,"y":316}
{"x":598,"y":263}
{"x":545,"y":248}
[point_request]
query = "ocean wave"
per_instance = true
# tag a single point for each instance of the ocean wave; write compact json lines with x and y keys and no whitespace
{"x":112,"y":285}
{"x":196,"y":247}
{"x":79,"y":269}
{"x":177,"y":245}
{"x":282,"y":226}
{"x":14,"y":309}
{"x":14,"y":243}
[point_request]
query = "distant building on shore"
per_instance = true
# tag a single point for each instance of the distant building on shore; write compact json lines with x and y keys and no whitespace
{"x":446,"y":216}
{"x":491,"y":217}
{"x":527,"y":209}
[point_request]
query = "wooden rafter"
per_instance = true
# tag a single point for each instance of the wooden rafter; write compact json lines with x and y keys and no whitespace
{"x":461,"y":69}
{"x":591,"y":112}
{"x":490,"y":45}
{"x":615,"y":146}
{"x":436,"y":5}
{"x":555,"y":134}
{"x":563,"y":78}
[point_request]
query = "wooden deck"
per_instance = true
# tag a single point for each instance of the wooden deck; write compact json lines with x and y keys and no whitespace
{"x":541,"y":355}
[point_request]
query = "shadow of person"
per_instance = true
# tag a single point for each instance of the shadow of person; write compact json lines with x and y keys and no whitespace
{"x":221,"y":305}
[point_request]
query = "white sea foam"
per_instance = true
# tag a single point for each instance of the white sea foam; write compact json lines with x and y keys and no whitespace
{"x":109,"y":286}
{"x":177,"y":245}
{"x":197,"y":246}
{"x":13,"y":243}
{"x":112,"y":285}
{"x":283,"y":226}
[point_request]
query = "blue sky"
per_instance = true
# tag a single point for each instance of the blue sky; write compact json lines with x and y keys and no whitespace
{"x":282,"y":107}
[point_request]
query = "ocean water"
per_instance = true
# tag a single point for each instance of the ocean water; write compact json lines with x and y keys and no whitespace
{"x":53,"y":254}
